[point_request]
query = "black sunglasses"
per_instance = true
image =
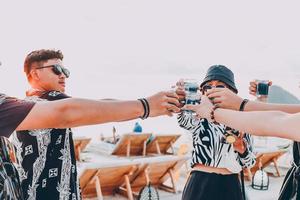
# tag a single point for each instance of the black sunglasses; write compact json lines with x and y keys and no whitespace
{"x":58,"y":70}
{"x":208,"y":87}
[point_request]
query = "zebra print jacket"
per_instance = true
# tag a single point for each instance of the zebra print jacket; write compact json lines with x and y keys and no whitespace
{"x":209,"y":148}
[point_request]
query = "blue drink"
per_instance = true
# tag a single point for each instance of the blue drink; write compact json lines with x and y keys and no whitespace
{"x":262,"y":89}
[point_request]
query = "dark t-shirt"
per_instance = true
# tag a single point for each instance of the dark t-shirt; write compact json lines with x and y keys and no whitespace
{"x":12,"y":112}
{"x":46,"y":157}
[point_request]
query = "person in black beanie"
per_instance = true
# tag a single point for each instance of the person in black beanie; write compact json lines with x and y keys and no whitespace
{"x":218,"y":156}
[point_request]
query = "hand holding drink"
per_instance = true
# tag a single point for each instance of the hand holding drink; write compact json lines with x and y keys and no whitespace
{"x":260,"y":89}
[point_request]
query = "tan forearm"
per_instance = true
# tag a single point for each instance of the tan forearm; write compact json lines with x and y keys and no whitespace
{"x":97,"y":112}
{"x":75,"y":112}
{"x":270,"y":123}
{"x":260,"y":106}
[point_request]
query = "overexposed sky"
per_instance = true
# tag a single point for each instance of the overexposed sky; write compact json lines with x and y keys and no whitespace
{"x":128,"y":49}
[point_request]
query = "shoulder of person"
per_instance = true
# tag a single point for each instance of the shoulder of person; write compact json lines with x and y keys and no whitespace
{"x":5,"y":99}
{"x":2,"y":98}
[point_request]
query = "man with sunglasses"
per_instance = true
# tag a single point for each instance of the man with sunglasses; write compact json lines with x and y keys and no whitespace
{"x":46,"y":157}
{"x":218,"y":155}
{"x":37,"y":147}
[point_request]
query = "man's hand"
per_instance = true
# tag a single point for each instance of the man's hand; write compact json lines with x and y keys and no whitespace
{"x":163,"y":103}
{"x":224,"y":98}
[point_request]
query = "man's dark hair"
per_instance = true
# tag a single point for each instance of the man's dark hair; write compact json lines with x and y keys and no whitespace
{"x":40,"y":56}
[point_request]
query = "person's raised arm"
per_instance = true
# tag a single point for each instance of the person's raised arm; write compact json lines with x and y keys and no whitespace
{"x":259,"y":105}
{"x":75,"y":112}
{"x":264,"y":123}
{"x":225,"y":98}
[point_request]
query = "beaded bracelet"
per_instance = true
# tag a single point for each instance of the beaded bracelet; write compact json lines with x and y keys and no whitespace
{"x":212,"y":114}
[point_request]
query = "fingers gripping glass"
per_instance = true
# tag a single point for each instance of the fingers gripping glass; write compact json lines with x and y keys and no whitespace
{"x":58,"y":70}
{"x":208,"y":87}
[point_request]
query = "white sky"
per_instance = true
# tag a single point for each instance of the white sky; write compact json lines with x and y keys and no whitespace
{"x":128,"y":49}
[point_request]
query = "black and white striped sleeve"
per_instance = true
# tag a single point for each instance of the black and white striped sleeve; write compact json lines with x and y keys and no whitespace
{"x":248,"y":158}
{"x":187,"y":121}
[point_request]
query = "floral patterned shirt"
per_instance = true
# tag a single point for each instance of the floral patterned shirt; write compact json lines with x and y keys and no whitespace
{"x":46,"y":157}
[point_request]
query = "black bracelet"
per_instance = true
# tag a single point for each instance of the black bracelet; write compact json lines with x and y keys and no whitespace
{"x":242,"y":106}
{"x":146,"y":108}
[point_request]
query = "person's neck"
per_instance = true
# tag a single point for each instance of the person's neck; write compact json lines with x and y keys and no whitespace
{"x":34,"y":90}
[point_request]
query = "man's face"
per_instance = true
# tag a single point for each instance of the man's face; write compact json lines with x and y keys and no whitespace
{"x":45,"y":76}
{"x":212,"y":84}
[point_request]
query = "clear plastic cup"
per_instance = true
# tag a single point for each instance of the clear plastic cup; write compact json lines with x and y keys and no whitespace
{"x":192,"y":96}
{"x":262,"y":88}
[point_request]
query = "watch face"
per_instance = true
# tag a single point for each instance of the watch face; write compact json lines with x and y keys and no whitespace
{"x":230,"y":139}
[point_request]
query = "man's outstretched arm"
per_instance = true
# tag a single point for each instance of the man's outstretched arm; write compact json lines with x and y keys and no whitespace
{"x":75,"y":112}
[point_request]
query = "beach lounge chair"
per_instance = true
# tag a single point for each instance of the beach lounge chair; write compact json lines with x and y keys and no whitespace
{"x":161,"y":144}
{"x":182,"y":151}
{"x":156,"y":170}
{"x":264,"y":159}
{"x":105,"y":179}
{"x":107,"y":175}
{"x":132,"y":144}
{"x":79,"y":145}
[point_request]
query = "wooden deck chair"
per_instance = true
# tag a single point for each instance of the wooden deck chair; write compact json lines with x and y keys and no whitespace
{"x":157,"y":172}
{"x":183,"y":150}
{"x":264,"y":160}
{"x":103,"y":181}
{"x":161,"y":143}
{"x":132,"y":144}
{"x":79,"y":145}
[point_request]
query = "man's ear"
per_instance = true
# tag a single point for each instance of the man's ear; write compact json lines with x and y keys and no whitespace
{"x":34,"y":75}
